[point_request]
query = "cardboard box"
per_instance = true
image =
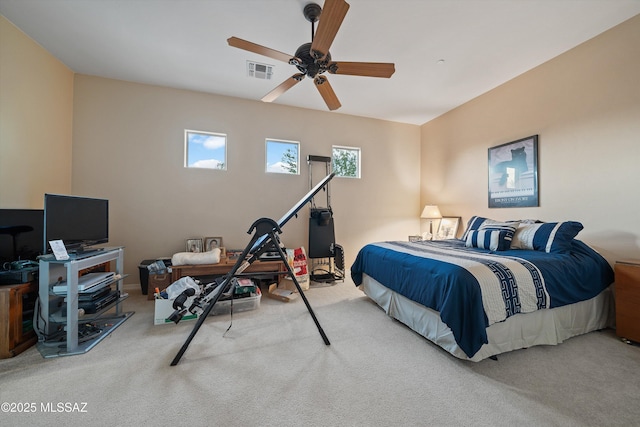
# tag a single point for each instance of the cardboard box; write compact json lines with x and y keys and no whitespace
{"x":287,"y":283}
{"x":160,"y":281}
{"x":164,"y":309}
{"x":281,"y":294}
{"x":245,"y":286}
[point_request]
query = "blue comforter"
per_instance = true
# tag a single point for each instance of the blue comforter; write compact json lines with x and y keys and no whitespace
{"x":454,"y":280}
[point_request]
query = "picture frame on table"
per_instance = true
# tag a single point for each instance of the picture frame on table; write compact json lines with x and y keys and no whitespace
{"x":448,"y":227}
{"x":194,"y":245}
{"x":513,"y":174}
{"x":211,"y":243}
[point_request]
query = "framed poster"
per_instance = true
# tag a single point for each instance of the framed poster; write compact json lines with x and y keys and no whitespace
{"x":513,"y":174}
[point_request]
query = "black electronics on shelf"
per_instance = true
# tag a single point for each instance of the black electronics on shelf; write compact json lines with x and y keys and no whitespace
{"x":326,"y":257}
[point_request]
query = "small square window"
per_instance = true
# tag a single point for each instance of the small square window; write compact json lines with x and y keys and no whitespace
{"x":345,"y":161}
{"x":283,"y":156}
{"x":205,"y":150}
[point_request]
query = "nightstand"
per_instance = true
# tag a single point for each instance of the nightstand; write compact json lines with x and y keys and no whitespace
{"x":627,"y":285}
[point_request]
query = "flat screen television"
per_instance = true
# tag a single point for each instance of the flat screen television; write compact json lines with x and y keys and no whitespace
{"x":21,"y":233}
{"x":80,"y":222}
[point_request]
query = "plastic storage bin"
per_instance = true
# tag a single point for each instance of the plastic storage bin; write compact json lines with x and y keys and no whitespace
{"x":239,"y":304}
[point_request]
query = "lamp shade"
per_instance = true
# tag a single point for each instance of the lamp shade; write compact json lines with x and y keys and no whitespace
{"x":431,"y":212}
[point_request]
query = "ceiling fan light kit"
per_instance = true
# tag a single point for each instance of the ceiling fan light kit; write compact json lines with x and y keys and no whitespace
{"x":313,"y":59}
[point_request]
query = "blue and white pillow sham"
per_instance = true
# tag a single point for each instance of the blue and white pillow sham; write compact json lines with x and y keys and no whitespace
{"x":492,"y":235}
{"x":551,"y":237}
{"x":474,"y":223}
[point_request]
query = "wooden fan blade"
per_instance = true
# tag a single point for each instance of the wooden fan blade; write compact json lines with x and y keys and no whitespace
{"x":331,"y":18}
{"x":367,"y":69}
{"x":283,"y":87}
{"x":327,"y":93}
{"x":260,"y":50}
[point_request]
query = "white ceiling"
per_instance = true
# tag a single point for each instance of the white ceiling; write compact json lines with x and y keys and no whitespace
{"x":182,"y":44}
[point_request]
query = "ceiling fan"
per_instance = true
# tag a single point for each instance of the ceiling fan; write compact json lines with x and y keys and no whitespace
{"x":313,"y":59}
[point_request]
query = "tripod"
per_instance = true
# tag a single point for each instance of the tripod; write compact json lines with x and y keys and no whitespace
{"x":265,"y":238}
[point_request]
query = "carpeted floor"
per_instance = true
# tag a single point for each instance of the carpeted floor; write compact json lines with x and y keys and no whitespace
{"x":273,"y":369}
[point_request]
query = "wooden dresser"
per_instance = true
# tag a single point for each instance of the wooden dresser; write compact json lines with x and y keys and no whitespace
{"x":628,"y":299}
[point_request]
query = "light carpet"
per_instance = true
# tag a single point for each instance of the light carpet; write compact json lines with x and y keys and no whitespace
{"x":273,"y":369}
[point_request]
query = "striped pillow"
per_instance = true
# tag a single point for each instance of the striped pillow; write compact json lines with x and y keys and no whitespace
{"x":551,"y":237}
{"x":474,"y":223}
{"x":492,"y":235}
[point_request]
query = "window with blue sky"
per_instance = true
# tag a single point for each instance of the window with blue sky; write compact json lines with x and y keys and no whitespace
{"x":205,"y":150}
{"x":283,"y":156}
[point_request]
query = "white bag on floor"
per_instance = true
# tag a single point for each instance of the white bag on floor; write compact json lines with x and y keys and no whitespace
{"x":180,"y":285}
{"x":297,"y":259}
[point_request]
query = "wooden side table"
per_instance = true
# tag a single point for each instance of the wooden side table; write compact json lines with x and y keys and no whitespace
{"x":223,"y":267}
{"x":627,"y":286}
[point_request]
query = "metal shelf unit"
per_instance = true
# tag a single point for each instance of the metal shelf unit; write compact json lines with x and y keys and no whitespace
{"x":51,"y":318}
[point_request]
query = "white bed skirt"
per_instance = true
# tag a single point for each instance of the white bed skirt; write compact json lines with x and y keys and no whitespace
{"x":542,"y":327}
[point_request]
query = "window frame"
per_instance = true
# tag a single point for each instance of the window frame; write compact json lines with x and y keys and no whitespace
{"x":358,"y":151}
{"x":281,"y":141}
{"x":201,"y":132}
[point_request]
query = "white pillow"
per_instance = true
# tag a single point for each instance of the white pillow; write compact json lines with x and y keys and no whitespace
{"x":523,"y":237}
{"x":196,"y":258}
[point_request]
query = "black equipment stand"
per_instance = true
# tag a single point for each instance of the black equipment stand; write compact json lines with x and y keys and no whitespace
{"x":265,"y":238}
{"x":323,"y":250}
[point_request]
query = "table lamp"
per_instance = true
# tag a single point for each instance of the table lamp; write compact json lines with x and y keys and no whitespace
{"x":430,"y":212}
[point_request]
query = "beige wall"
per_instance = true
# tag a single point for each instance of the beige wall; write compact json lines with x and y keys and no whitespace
{"x":36,"y":110}
{"x":585,"y":107}
{"x":129,"y":147}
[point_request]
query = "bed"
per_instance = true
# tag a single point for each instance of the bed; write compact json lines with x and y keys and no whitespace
{"x":503,"y":286}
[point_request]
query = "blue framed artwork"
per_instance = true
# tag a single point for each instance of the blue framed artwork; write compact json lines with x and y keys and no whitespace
{"x":513,"y":174}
